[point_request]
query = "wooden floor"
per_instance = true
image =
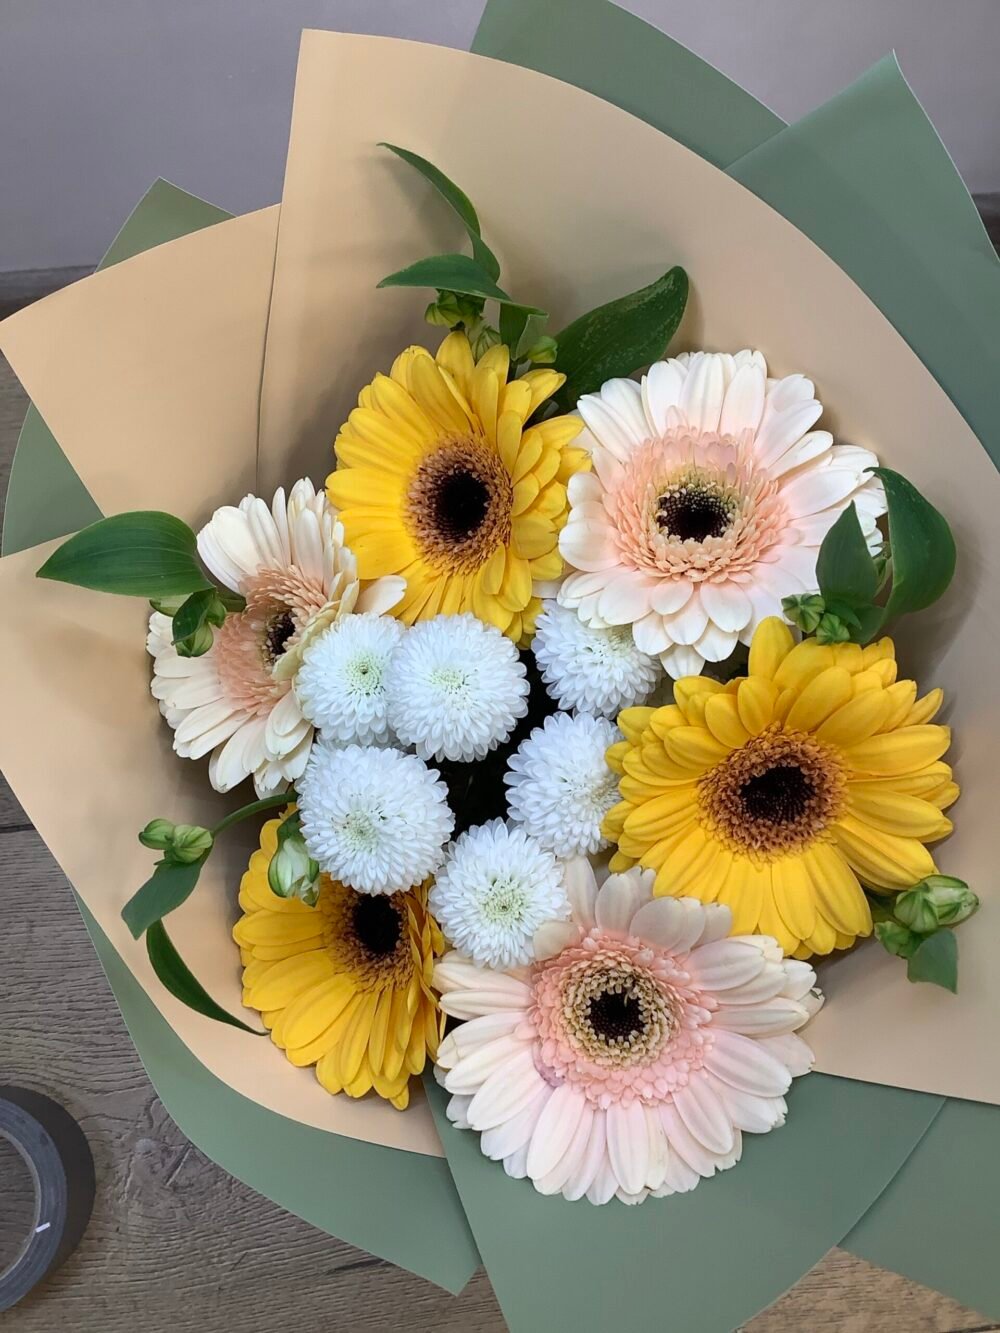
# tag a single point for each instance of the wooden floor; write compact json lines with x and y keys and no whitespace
{"x":175,"y":1245}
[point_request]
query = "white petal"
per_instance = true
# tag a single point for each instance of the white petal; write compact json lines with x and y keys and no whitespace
{"x":227,"y":547}
{"x":768,"y":983}
{"x":724,"y":964}
{"x":605,"y":1183}
{"x":814,"y":444}
{"x":628,"y":1145}
{"x":718,"y":922}
{"x":799,"y":978}
{"x":810,"y":491}
{"x":381,"y":595}
{"x":767,"y":1019}
{"x":670,"y":594}
{"x":592,"y":1160}
{"x":704,"y":1115}
{"x":466,"y":1037}
{"x":581,"y":889}
{"x":716,"y":644}
{"x":624,"y":398}
{"x":474,"y":1067}
{"x":668,"y":923}
{"x":703,"y":392}
{"x":744,"y":401}
{"x":516,"y":1165}
{"x":792,"y":1051}
{"x":573,"y":1159}
{"x":554,"y":1130}
{"x":727,"y":604}
{"x":508,"y":1090}
{"x":515,"y":1133}
{"x":584,"y":486}
{"x":746,"y":1065}
{"x":688,"y":624}
{"x":588,"y":547}
{"x":681,"y":661}
{"x":614,"y":433}
{"x":683,"y":1143}
{"x":618,"y":900}
{"x":473,"y":1003}
{"x":754,"y":1115}
{"x":661,"y":390}
{"x":626,"y":598}
{"x":552,"y":938}
{"x":455,"y":1111}
{"x":659,"y":1149}
{"x":650,"y":635}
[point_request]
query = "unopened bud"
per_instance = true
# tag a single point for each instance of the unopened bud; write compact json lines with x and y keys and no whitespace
{"x":190,"y":843}
{"x":804,"y":610}
{"x":158,"y":834}
{"x":831,"y":629}
{"x":291,"y":872}
{"x":486,"y":338}
{"x":938,"y":900}
{"x":543,"y":352}
{"x":896,"y":939}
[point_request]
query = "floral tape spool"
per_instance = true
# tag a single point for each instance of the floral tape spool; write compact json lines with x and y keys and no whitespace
{"x":58,"y":1156}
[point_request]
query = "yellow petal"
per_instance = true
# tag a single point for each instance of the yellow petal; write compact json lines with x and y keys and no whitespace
{"x":381,"y":553}
{"x":430,"y":387}
{"x":743,"y":891}
{"x":665,"y":719}
{"x":902,"y":751}
{"x":771,"y":922}
{"x":365,"y":486}
{"x":807,"y":659}
{"x":891,"y":811}
{"x":882,"y":859}
{"x":314,"y":1011}
{"x":901,"y":696}
{"x":542,"y":384}
{"x":280,"y":928}
{"x":287,"y":979}
{"x":354,"y":1042}
{"x":679,"y":872}
{"x":771,"y":644}
{"x":839,"y":896}
{"x":925,"y":709}
{"x":827,"y":692}
{"x":455,"y":355}
{"x":858,"y":719}
{"x":694,"y":748}
{"x":654,"y":819}
{"x":722,"y":717}
{"x":755,"y":701}
{"x":823,"y":940}
{"x":793,"y":894}
{"x":532,"y":537}
{"x":688,"y":688}
{"x":877,"y":652}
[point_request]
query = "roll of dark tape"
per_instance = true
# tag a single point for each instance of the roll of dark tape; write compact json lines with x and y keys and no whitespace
{"x":59,"y":1159}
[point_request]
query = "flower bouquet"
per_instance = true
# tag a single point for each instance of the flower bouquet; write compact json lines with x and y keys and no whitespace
{"x":557,"y":643}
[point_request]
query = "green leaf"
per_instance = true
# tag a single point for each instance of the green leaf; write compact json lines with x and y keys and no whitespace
{"x":193,"y":622}
{"x":936,"y":961}
{"x":458,"y":200}
{"x":140,"y":554}
{"x":453,"y":273}
{"x":170,"y":884}
{"x":845,"y":569}
{"x":619,"y":338}
{"x":921,"y":545}
{"x":513,"y":322}
{"x":180,"y":981}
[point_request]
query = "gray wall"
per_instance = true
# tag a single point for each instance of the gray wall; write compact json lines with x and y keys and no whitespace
{"x":98,"y":97}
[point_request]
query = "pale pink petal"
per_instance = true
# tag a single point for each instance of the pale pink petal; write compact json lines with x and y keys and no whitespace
{"x":474,"y":1067}
{"x":614,"y":434}
{"x":650,"y":635}
{"x":746,"y":1065}
{"x":703,"y":392}
{"x":628,"y":1145}
{"x":592,"y":1161}
{"x":810,"y":491}
{"x":508,"y":1090}
{"x":727,"y":605}
{"x":467,"y":1037}
{"x":553,"y":937}
{"x":725,"y":964}
{"x":618,"y":900}
{"x":718,"y":923}
{"x":753,"y":1115}
{"x":554,"y":1130}
{"x":604,"y":1185}
{"x":515,"y":1133}
{"x":681,"y":661}
{"x":767,"y":1018}
{"x":799,"y":979}
{"x":626,"y":598}
{"x":688,"y":625}
{"x":581,"y":889}
{"x":744,"y":401}
{"x":381,"y":595}
{"x":573,"y":1159}
{"x":704,"y":1115}
{"x":716,"y":644}
{"x":670,"y":594}
{"x":589,"y":547}
{"x":791,"y":1051}
{"x":661,"y":390}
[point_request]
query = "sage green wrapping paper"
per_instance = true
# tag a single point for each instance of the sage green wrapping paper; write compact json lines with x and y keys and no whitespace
{"x":376,"y":1198}
{"x":868,"y":179}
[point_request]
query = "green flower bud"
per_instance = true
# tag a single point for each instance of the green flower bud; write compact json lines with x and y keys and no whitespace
{"x":190,"y":843}
{"x":896,"y":939}
{"x":543,"y":352}
{"x":940,"y":900}
{"x":804,"y":610}
{"x":486,"y":338}
{"x":158,"y":834}
{"x":292,"y":873}
{"x":451,"y":309}
{"x":831,"y":629}
{"x":197,"y":642}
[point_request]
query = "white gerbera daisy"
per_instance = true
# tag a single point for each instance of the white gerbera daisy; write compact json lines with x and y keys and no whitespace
{"x":236,"y":702}
{"x":341,"y":682}
{"x":496,"y":888}
{"x":559,"y":784}
{"x":710,"y":496}
{"x":596,"y":671}
{"x":375,"y":819}
{"x":455,"y":688}
{"x":635,"y":1053}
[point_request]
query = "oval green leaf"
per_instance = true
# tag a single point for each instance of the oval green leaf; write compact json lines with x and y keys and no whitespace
{"x":619,"y":338}
{"x":453,"y":273}
{"x":181,"y":982}
{"x":170,"y":884}
{"x":140,"y":554}
{"x":845,"y":570}
{"x":936,"y":960}
{"x":458,"y":200}
{"x":921,"y":546}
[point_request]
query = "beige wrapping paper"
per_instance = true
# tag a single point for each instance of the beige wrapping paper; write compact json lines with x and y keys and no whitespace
{"x":581,"y":202}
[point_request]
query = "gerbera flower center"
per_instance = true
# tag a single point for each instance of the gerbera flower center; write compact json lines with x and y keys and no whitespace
{"x":459,"y":505}
{"x":774,"y":795}
{"x":280,"y":629}
{"x":695,"y":507}
{"x":377,"y":924}
{"x":616,"y":1013}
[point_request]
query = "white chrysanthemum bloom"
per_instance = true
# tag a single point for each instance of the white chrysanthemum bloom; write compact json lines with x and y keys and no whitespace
{"x":559,"y":786}
{"x":455,"y":688}
{"x":497,"y":886}
{"x":341,"y":682}
{"x":236,"y":702}
{"x":596,"y":671}
{"x":710,"y":496}
{"x":375,"y":819}
{"x":632,"y":1057}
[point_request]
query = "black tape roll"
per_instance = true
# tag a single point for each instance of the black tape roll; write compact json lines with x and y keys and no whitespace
{"x":58,"y":1156}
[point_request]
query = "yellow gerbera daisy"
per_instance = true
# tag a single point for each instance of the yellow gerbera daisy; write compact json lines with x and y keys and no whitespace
{"x":781,"y":792}
{"x":344,"y":985}
{"x":439,"y":480}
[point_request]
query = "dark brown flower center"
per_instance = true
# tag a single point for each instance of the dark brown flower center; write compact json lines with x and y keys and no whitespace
{"x":781,"y":794}
{"x":615,"y":1016}
{"x":692,"y":515}
{"x":377,"y":925}
{"x":279,"y":630}
{"x":459,"y":505}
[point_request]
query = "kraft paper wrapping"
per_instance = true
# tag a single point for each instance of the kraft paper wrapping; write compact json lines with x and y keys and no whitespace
{"x":570,"y":235}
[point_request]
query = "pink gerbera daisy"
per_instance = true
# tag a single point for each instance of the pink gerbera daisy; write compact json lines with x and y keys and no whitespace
{"x":236,"y":703}
{"x":710,"y":496}
{"x":628,"y":1059}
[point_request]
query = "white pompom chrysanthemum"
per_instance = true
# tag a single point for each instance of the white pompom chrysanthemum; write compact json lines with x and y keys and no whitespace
{"x":597,"y":671}
{"x":559,"y":784}
{"x":496,"y":888}
{"x":455,"y":688}
{"x":341,"y":682}
{"x":375,"y":819}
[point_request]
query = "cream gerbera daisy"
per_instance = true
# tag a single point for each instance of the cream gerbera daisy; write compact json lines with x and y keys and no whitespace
{"x":631,"y":1057}
{"x":236,"y":702}
{"x":782,"y":792}
{"x":440,"y":479}
{"x":710,"y":497}
{"x":344,"y":985}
